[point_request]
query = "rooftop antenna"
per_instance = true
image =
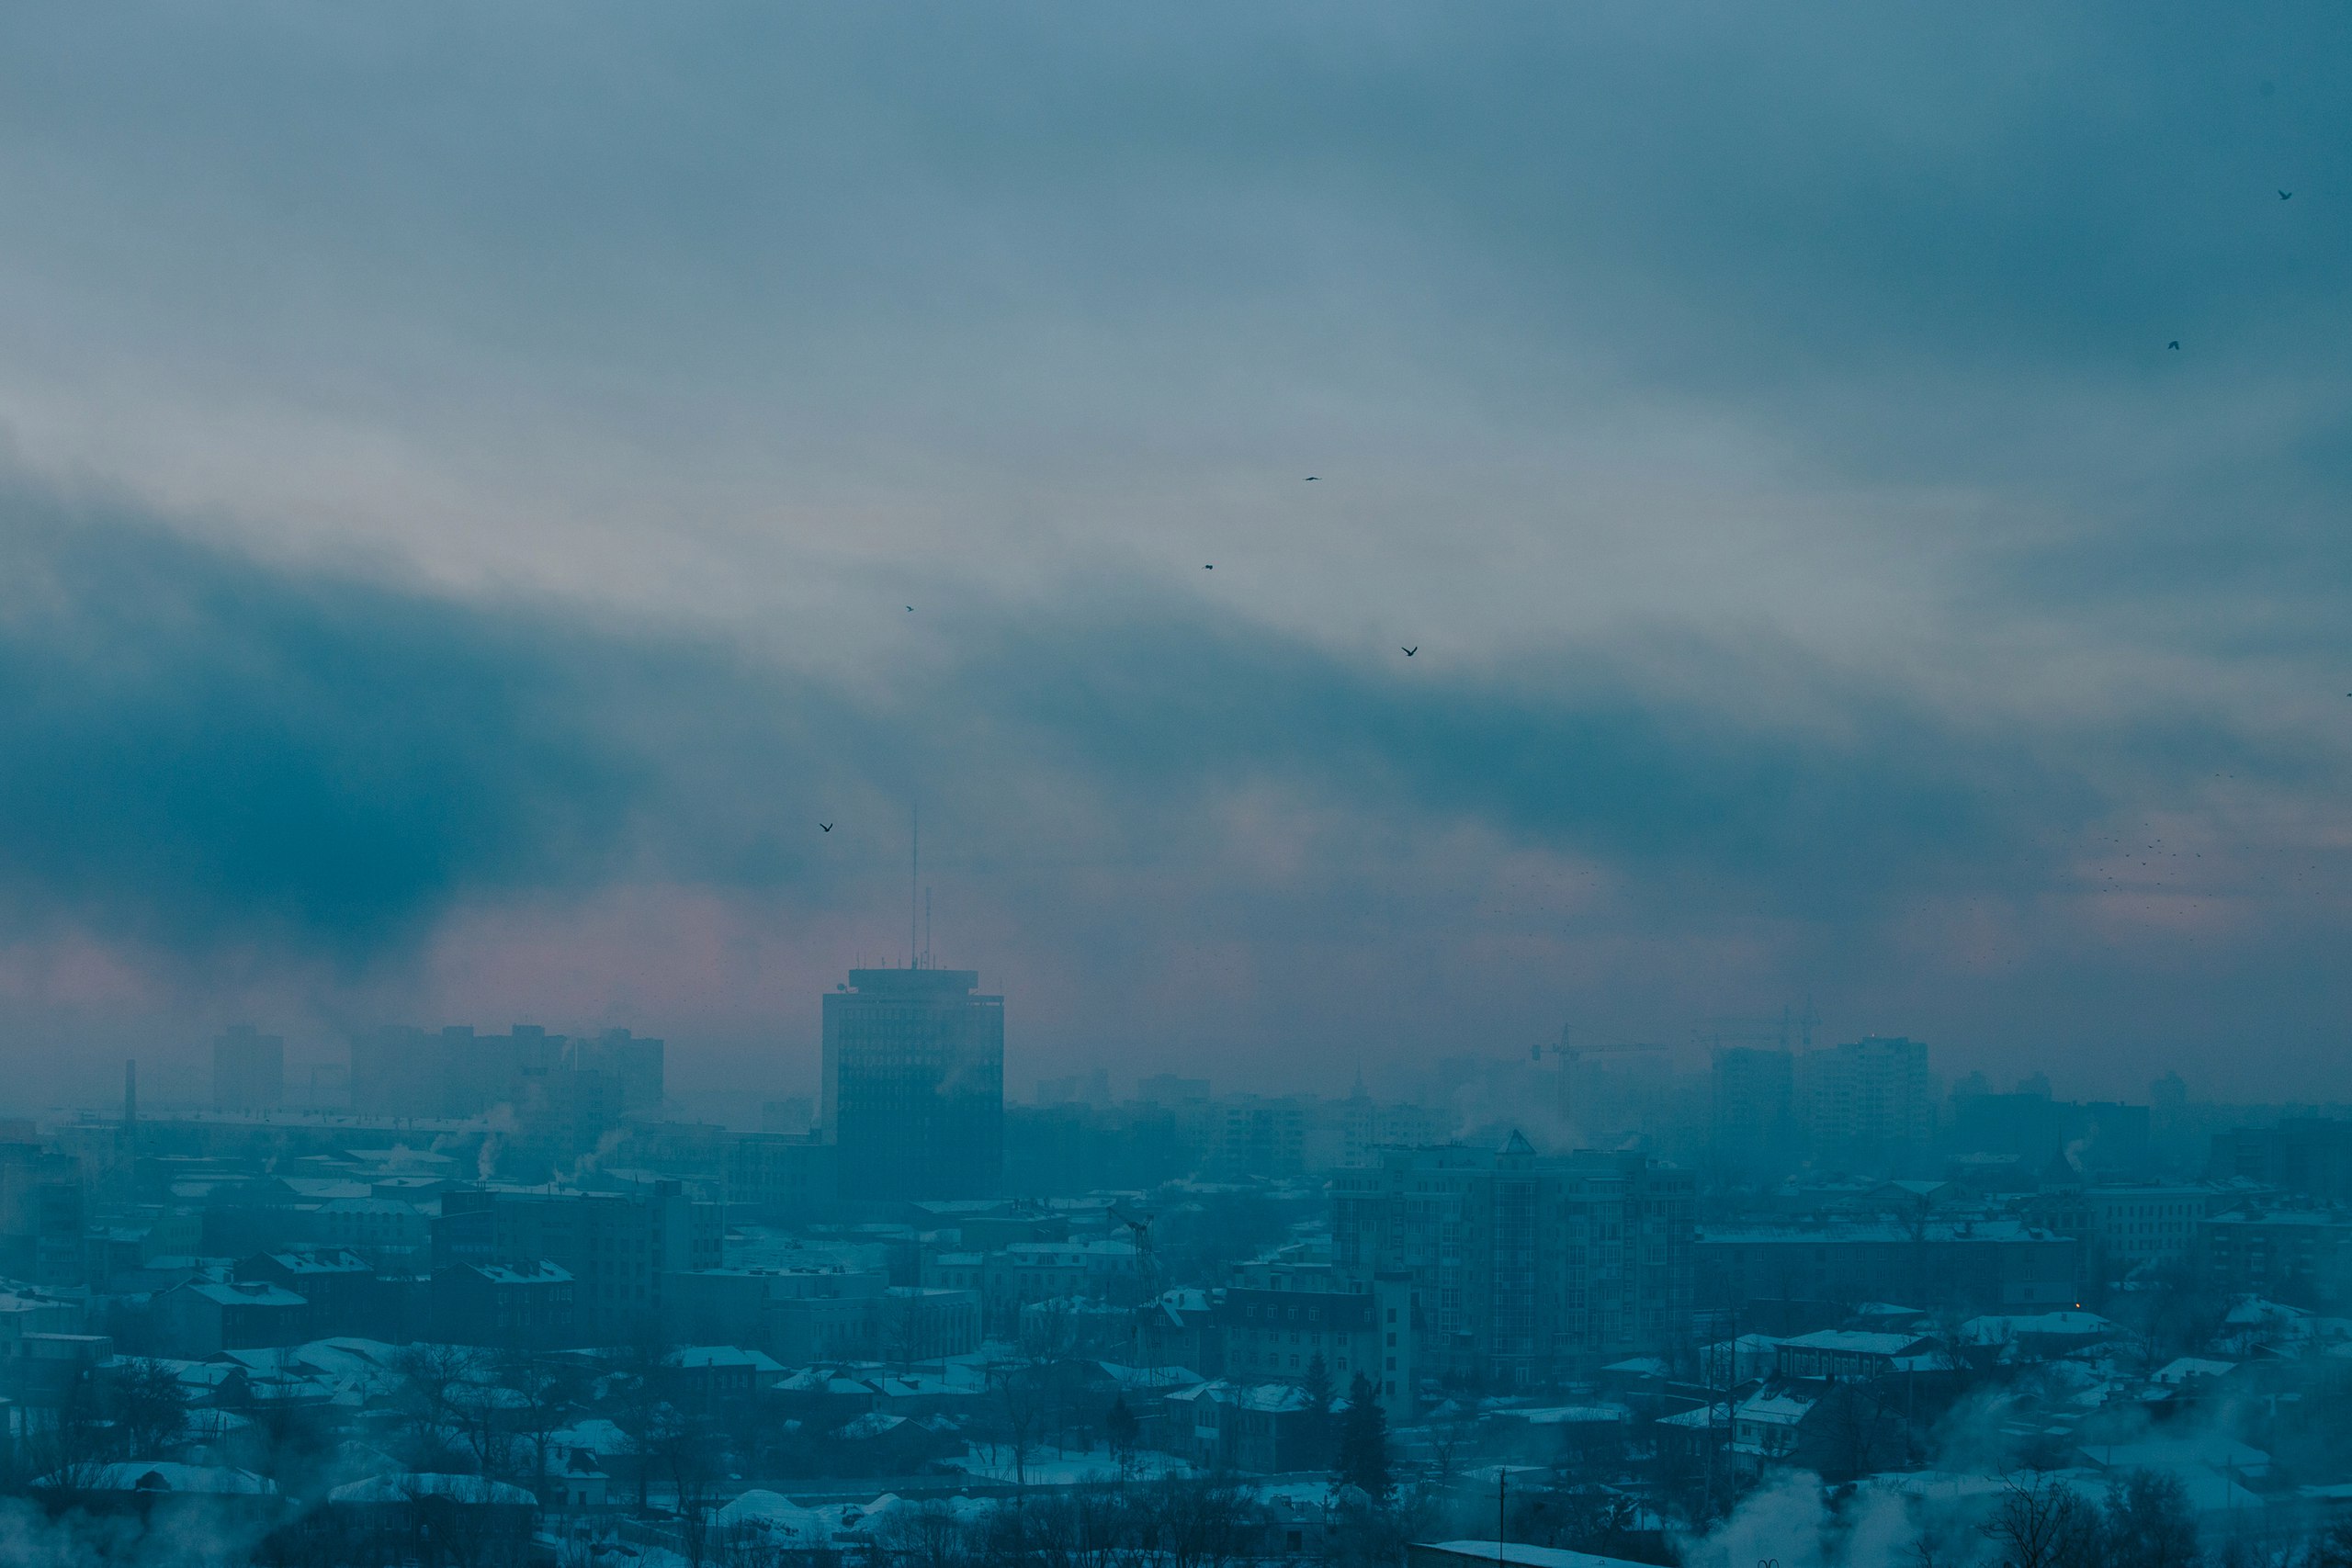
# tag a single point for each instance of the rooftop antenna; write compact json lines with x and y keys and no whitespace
{"x":928,"y":960}
{"x":914,"y":876}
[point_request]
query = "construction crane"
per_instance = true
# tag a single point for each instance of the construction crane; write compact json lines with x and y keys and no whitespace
{"x":1137,"y":1224}
{"x":1571,"y":1055}
{"x":1791,"y":1031}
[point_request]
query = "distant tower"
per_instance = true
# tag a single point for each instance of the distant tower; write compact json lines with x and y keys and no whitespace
{"x":131,"y":1094}
{"x":914,"y":1084}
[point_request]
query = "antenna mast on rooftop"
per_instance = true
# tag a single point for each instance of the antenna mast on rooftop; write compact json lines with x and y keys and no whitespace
{"x":915,"y":878}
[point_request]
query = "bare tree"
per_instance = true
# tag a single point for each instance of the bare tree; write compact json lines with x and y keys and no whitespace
{"x":1022,"y":1407}
{"x":65,"y":1454}
{"x":686,"y":1442}
{"x":431,"y":1372}
{"x":2149,"y":1521}
{"x":928,"y":1537}
{"x":633,"y":1392}
{"x":150,"y":1406}
{"x":1199,"y":1523}
{"x":2043,"y":1522}
{"x":548,"y":1387}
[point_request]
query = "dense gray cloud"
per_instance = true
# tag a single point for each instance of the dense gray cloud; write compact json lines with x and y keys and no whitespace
{"x":211,"y":751}
{"x":220,"y":757}
{"x":515,"y":436}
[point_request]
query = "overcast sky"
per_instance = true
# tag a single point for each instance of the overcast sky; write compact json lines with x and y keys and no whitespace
{"x":463,"y":473}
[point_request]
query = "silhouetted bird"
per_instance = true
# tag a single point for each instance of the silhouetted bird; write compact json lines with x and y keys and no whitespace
{"x":910,"y":609}
{"x":828,"y":827}
{"x":1209,"y":568}
{"x":1312,"y":478}
{"x":2286,"y":196}
{"x":1411,"y":652}
{"x":2174,"y":343}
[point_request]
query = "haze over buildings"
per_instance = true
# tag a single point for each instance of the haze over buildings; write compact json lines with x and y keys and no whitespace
{"x":1635,"y":719}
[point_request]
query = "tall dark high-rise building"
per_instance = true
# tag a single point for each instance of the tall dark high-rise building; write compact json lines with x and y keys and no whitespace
{"x":914,"y":1084}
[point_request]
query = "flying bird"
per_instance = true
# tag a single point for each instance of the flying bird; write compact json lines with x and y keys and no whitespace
{"x":1209,"y":568}
{"x":910,"y":609}
{"x":1411,"y":652}
{"x":2286,"y":196}
{"x":828,"y":827}
{"x":2174,"y":343}
{"x":1312,"y":478}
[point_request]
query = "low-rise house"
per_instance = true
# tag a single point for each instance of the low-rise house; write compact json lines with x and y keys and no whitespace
{"x":1029,"y":1271}
{"x":185,"y":1498}
{"x":1839,"y":1355}
{"x":1773,"y":1424}
{"x":576,"y":1480}
{"x":499,"y":1304}
{"x":708,"y":1372}
{"x":1181,"y":1328}
{"x":340,"y":1286}
{"x":433,"y":1517}
{"x":392,"y":1232}
{"x":2036,"y":1335}
{"x":204,"y":1318}
{"x":1256,"y":1429}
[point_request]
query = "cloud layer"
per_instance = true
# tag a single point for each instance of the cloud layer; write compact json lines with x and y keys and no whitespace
{"x":468,"y":472}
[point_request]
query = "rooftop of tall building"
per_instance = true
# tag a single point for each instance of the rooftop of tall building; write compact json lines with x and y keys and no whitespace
{"x":921,"y":982}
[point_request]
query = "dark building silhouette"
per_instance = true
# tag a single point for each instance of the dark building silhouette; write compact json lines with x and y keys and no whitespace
{"x":614,"y":1249}
{"x":1525,"y":1266}
{"x":565,"y":1094}
{"x":914,"y":1084}
{"x":2310,"y":1154}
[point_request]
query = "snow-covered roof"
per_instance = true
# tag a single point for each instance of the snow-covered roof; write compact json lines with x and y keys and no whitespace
{"x":161,"y":1475}
{"x":1852,"y":1341}
{"x":2188,"y":1366}
{"x":1144,"y":1379}
{"x":1777,"y":1406}
{"x":1994,"y":1329}
{"x":470,"y":1489}
{"x":254,"y":1294}
{"x":1699,"y":1417}
{"x":700,"y":1357}
{"x":1569,"y":1415}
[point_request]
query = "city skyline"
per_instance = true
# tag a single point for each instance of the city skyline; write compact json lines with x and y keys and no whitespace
{"x":1274,"y":784}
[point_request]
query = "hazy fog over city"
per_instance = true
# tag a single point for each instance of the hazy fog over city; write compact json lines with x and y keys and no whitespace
{"x":703,"y":706}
